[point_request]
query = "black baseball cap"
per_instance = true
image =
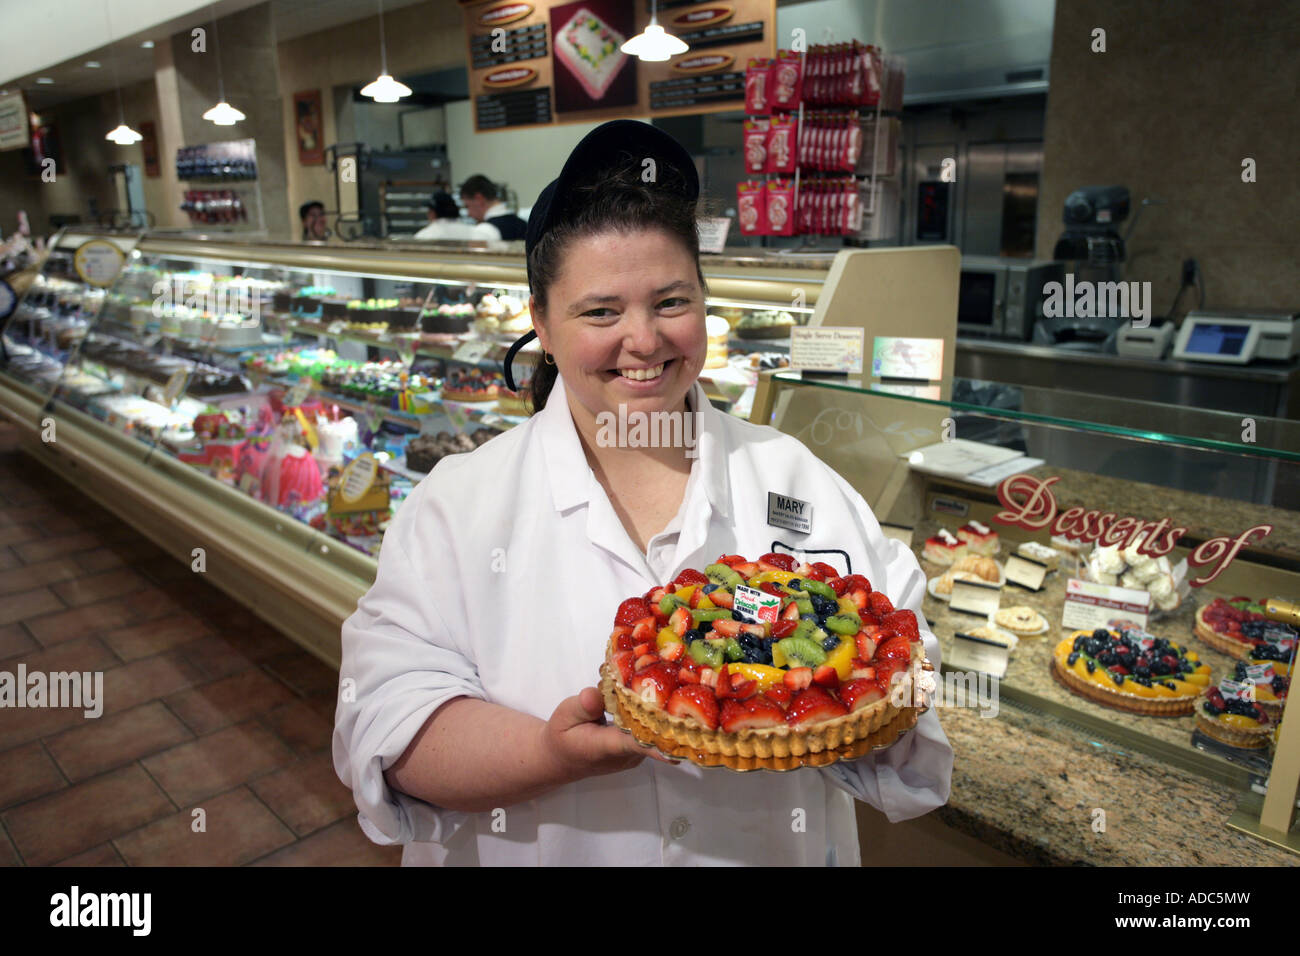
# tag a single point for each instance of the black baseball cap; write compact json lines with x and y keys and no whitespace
{"x":611,"y":144}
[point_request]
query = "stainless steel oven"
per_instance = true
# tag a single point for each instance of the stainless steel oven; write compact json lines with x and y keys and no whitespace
{"x":1002,"y":298}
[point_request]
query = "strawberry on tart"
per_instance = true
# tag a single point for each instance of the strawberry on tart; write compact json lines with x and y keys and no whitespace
{"x":1238,"y":625}
{"x":763,"y":664}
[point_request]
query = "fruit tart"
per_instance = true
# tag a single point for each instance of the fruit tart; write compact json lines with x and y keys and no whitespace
{"x":1238,"y":625}
{"x":763,"y":664}
{"x":1131,"y":670}
{"x":1232,"y":719}
{"x":1271,"y":687}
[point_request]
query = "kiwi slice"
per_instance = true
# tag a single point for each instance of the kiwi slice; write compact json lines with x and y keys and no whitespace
{"x":669,"y":603}
{"x":844,"y":623}
{"x":702,"y":615}
{"x":723,"y":575}
{"x":801,"y":652}
{"x":732,"y":650}
{"x":817,"y":587}
{"x":804,"y":605}
{"x":708,"y":652}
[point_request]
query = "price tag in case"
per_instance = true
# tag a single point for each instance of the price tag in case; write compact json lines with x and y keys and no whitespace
{"x":357,"y":477}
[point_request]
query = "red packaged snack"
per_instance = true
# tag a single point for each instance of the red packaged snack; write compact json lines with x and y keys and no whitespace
{"x":787,"y":80}
{"x":781,"y":144}
{"x":780,"y":207}
{"x":756,"y":144}
{"x":852,"y":208}
{"x":756,"y":90}
{"x":751,"y":208}
{"x":852,"y":146}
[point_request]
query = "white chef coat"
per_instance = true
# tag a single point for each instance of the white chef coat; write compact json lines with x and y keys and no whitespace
{"x":498,"y":579}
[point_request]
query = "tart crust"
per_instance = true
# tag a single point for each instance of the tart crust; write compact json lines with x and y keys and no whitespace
{"x":773,"y":748}
{"x":1243,"y":739}
{"x":1220,"y":642}
{"x":1168,"y":707}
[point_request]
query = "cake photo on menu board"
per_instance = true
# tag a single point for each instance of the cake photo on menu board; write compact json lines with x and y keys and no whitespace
{"x":591,"y":72}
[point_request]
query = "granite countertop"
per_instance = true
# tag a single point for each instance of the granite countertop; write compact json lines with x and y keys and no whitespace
{"x":1029,"y":788}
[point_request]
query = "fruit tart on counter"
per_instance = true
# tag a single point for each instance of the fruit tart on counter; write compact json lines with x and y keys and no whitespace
{"x":1131,"y":670}
{"x":1233,"y":720}
{"x":765,"y":664}
{"x":1237,"y":626}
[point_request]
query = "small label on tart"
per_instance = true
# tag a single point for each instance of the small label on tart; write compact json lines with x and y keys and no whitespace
{"x":1237,"y":690}
{"x":756,"y":606}
{"x":1261,"y":673}
{"x":1279,"y":634}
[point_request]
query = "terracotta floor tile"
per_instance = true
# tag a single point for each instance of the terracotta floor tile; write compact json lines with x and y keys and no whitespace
{"x":307,"y":795}
{"x":103,"y":855}
{"x":15,"y":641}
{"x":25,"y":724}
{"x":8,"y":855}
{"x":112,"y":741}
{"x":250,"y":635}
{"x":87,"y":654}
{"x":8,"y":559}
{"x":166,"y":570}
{"x":238,"y":829}
{"x":300,"y":727}
{"x":341,"y":844}
{"x":51,"y":629}
{"x":41,"y":574}
{"x":20,"y":534}
{"x":46,"y":548}
{"x":303,"y":672}
{"x":98,"y":587}
{"x":153,"y":637}
{"x":55,"y":827}
{"x":100,"y":559}
{"x":27,"y":772}
{"x":152,"y":603}
{"x":216,"y":656}
{"x":231,"y":700}
{"x":132,"y":684}
{"x":325,"y":703}
{"x":26,"y":604}
{"x":218,"y":762}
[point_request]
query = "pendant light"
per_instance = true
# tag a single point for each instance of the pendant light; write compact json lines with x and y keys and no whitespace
{"x":223,"y":114}
{"x":654,"y":45}
{"x":123,"y":135}
{"x":384,"y":89}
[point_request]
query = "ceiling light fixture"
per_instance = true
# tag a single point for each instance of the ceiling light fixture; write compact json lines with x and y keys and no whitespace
{"x":654,"y":45}
{"x":122,"y":134}
{"x":223,"y":114}
{"x":384,"y":89}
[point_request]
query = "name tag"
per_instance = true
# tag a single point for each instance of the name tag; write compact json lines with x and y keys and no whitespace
{"x":790,"y":513}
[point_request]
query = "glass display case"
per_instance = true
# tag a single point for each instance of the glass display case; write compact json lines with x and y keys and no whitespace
{"x":306,"y":389}
{"x":1175,"y":527}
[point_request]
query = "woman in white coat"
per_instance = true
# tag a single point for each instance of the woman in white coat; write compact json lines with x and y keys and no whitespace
{"x":468,"y":727}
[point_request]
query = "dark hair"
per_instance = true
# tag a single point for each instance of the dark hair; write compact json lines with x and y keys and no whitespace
{"x":307,"y":207}
{"x":617,"y":200}
{"x":479,"y":185}
{"x":443,"y":206}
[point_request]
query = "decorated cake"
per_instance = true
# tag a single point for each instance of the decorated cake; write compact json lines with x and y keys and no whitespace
{"x":718,"y":329}
{"x":447,"y":319}
{"x":472,"y":385}
{"x":1237,"y":626}
{"x":766,"y":663}
{"x":979,"y":538}
{"x":1130,"y":670}
{"x":767,"y":324}
{"x":590,"y":49}
{"x":943,"y":548}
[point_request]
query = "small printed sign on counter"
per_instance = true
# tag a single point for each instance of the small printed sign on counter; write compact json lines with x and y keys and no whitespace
{"x":971,"y":653}
{"x":827,"y":350}
{"x":1025,"y":572}
{"x":1089,"y":606}
{"x":975,"y":597}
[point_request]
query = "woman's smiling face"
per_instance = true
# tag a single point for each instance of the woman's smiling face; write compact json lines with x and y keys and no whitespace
{"x":625,"y":321}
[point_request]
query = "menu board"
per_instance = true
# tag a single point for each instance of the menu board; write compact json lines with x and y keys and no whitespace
{"x":535,"y":63}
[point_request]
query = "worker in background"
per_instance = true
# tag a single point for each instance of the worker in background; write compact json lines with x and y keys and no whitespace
{"x":481,"y":200}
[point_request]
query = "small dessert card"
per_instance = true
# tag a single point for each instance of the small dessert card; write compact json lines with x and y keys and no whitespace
{"x":975,"y":597}
{"x":826,"y":350}
{"x":357,"y":477}
{"x":1089,"y":606}
{"x":1025,"y":572}
{"x":1237,"y":690}
{"x":971,"y":653}
{"x":756,"y":606}
{"x":1261,"y":673}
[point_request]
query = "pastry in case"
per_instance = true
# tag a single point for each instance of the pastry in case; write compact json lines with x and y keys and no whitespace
{"x":806,"y":675}
{"x":1233,"y":721}
{"x":944,"y":548}
{"x":1131,"y":670}
{"x":1020,"y":620}
{"x":979,"y":538}
{"x":1237,"y":626}
{"x":984,"y":568}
